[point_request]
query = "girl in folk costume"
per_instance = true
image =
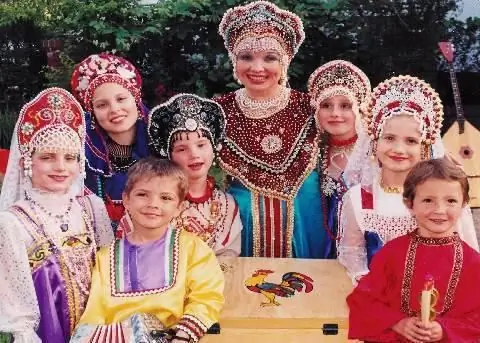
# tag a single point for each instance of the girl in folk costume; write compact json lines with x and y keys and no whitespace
{"x":338,"y":89}
{"x":49,"y":235}
{"x":271,"y":144}
{"x":403,"y":121}
{"x":188,"y":130}
{"x":109,"y":88}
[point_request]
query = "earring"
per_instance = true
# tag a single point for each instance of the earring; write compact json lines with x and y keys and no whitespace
{"x":92,"y":122}
{"x":27,"y":166}
{"x":373,"y":149}
{"x":235,"y":77}
{"x":426,"y":152}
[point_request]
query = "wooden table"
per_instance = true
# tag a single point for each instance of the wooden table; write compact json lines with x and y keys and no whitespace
{"x":299,"y":318}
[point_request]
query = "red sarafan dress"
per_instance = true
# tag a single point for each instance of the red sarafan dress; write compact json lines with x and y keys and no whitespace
{"x":391,"y":290}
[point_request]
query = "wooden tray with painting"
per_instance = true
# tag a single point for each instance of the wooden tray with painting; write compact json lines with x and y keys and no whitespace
{"x":283,"y":300}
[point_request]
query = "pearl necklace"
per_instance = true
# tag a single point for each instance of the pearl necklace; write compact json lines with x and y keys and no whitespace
{"x":59,"y":218}
{"x":261,"y":109}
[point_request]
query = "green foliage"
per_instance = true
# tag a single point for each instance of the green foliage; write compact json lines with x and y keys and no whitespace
{"x":7,"y":125}
{"x":60,"y":75}
{"x":39,"y":11}
{"x":4,"y":337}
{"x":177,"y":48}
{"x":103,"y":24}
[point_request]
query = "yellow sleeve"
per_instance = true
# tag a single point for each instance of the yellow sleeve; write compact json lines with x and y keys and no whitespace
{"x":97,"y":303}
{"x":205,"y":283}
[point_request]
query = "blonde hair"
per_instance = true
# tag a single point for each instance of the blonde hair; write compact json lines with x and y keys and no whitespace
{"x":149,"y":167}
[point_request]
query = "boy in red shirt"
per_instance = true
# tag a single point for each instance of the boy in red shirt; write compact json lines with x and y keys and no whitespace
{"x":385,"y":306}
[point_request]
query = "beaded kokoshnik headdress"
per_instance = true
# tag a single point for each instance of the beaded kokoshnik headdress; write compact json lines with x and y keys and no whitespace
{"x":405,"y":95}
{"x":96,"y":70}
{"x":52,"y":122}
{"x":340,"y":78}
{"x":399,"y":95}
{"x":261,"y":26}
{"x":184,"y":113}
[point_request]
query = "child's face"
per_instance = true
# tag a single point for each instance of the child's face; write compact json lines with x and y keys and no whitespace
{"x":114,"y":108}
{"x":54,"y":171}
{"x":399,"y":148}
{"x":335,"y":115}
{"x":193,"y":153}
{"x":153,"y":202}
{"x":437,"y":206}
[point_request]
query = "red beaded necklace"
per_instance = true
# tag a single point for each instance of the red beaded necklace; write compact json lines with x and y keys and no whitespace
{"x":207,"y":195}
{"x":342,"y":142}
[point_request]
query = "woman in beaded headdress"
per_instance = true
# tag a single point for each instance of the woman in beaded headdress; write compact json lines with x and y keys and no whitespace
{"x":49,"y":234}
{"x":402,"y":121}
{"x":109,"y":89}
{"x":271,"y":145}
{"x":337,"y":89}
{"x":188,"y":130}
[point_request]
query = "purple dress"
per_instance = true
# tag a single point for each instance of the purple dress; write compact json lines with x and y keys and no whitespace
{"x":61,"y":273}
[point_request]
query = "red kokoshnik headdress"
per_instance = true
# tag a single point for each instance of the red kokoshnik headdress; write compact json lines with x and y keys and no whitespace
{"x":96,"y":70}
{"x":51,"y":122}
{"x":405,"y":95}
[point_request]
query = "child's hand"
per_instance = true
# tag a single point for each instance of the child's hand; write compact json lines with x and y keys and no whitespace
{"x":181,"y":337}
{"x":435,"y":331}
{"x":412,"y":329}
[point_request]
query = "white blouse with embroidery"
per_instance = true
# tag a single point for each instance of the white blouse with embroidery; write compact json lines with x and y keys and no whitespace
{"x":19,"y":311}
{"x":216,"y":221}
{"x":389,"y":219}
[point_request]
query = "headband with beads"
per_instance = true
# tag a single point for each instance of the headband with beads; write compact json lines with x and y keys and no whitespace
{"x":52,"y":122}
{"x":339,"y":78}
{"x":184,"y":113}
{"x":96,"y":70}
{"x":405,"y":95}
{"x":261,"y":26}
{"x":262,"y":19}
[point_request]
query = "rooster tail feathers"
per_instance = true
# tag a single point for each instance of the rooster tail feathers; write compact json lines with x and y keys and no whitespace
{"x":297,"y":280}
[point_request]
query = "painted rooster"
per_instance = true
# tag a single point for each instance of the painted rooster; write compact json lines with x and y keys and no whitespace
{"x":291,"y":282}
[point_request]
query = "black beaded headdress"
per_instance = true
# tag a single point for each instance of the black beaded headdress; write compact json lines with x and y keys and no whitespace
{"x":184,"y":113}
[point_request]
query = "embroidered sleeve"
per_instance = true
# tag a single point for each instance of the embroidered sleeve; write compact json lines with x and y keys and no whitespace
{"x":103,"y":227}
{"x":466,"y":228}
{"x":19,"y":312}
{"x":204,"y":299}
{"x":229,"y":242}
{"x":352,"y":252}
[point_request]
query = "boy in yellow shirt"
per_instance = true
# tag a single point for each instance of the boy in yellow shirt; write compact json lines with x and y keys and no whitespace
{"x":157,"y":277}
